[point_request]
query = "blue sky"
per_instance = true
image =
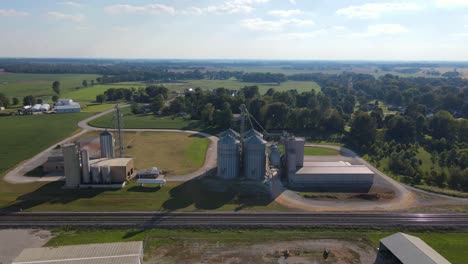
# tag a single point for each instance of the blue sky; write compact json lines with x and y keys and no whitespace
{"x":240,"y":29}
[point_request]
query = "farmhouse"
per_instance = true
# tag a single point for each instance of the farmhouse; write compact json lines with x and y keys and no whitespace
{"x":67,"y":106}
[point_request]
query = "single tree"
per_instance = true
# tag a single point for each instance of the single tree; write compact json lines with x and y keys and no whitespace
{"x":55,"y":98}
{"x":157,"y":104}
{"x":15,"y":101}
{"x":29,"y":100}
{"x":85,"y":83}
{"x":100,"y":98}
{"x":56,"y":87}
{"x":39,"y":101}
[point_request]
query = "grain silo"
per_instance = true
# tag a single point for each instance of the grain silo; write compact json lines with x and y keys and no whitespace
{"x":71,"y":161}
{"x":274,"y":156}
{"x":297,"y":144}
{"x":106,"y":174}
{"x":254,"y":158}
{"x":107,"y":144}
{"x":96,"y":174}
{"x":228,"y":157}
{"x":229,"y":132}
{"x":85,"y":167}
{"x":252,"y":132}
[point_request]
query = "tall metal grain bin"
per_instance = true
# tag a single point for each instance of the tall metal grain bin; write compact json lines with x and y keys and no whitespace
{"x":252,"y":132}
{"x":254,"y":158}
{"x":71,"y":160}
{"x":96,"y":174}
{"x":105,"y":171}
{"x":85,"y":167}
{"x":228,"y":157}
{"x":229,"y":132}
{"x":107,"y":144}
{"x":274,"y":156}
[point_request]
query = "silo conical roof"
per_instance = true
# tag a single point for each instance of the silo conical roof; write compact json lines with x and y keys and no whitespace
{"x":105,"y":133}
{"x":252,"y":132}
{"x":254,"y":140}
{"x":229,"y":132}
{"x":226,"y":140}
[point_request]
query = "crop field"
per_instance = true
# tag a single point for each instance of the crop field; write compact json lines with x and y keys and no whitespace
{"x":452,"y":245}
{"x":176,"y":153}
{"x":22,"y":137}
{"x":88,"y":94}
{"x":233,"y":84}
{"x":40,"y":85}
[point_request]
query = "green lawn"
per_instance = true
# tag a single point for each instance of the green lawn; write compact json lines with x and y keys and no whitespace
{"x":22,"y":137}
{"x":193,"y":195}
{"x":19,"y":84}
{"x":316,"y":151}
{"x":149,"y":121}
{"x":88,"y":95}
{"x":451,"y":245}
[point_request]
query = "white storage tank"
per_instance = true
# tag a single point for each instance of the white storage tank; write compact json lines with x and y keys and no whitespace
{"x":254,"y":158}
{"x":274,"y":156}
{"x":106,"y":174}
{"x":36,"y":107}
{"x":297,"y":144}
{"x":228,"y":157}
{"x":45,"y":107}
{"x":96,"y":174}
{"x":107,"y":144}
{"x":85,"y":167}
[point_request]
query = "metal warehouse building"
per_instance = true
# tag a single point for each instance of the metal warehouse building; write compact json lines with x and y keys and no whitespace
{"x":109,"y":253}
{"x":403,"y":248}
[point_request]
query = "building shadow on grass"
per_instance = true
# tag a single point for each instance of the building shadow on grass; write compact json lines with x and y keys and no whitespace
{"x":209,"y":194}
{"x":50,"y":193}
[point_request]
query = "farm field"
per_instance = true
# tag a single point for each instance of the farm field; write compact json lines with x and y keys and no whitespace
{"x":176,"y":153}
{"x":316,"y":151}
{"x":22,"y":137}
{"x":451,"y":245}
{"x":233,"y":84}
{"x":88,"y":95}
{"x":40,"y":85}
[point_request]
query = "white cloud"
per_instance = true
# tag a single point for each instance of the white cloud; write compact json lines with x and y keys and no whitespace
{"x":302,"y":35}
{"x":385,"y":29}
{"x":71,"y":4}
{"x":228,"y":7}
{"x":466,"y":26}
{"x":259,"y":24}
{"x":292,"y":2}
{"x":375,"y":10}
{"x":285,"y":13}
{"x":451,"y":3}
{"x":339,"y":28}
{"x":12,"y":12}
{"x":152,"y":9}
{"x":77,"y":18}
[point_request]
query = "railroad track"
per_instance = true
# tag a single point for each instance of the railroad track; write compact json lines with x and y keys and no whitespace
{"x":255,"y":220}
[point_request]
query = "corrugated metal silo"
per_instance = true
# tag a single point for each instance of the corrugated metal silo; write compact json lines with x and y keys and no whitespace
{"x":228,"y":157}
{"x":106,"y":177}
{"x":254,"y":158}
{"x":252,"y":132}
{"x":85,"y":167}
{"x":96,"y":174}
{"x":107,"y":144}
{"x":71,"y":160}
{"x":274,"y":156}
{"x":229,"y":132}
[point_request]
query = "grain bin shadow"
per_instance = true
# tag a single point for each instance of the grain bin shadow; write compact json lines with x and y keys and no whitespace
{"x":50,"y":193}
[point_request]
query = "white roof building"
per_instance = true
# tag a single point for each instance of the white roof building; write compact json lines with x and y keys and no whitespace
{"x":408,"y":249}
{"x":108,"y":253}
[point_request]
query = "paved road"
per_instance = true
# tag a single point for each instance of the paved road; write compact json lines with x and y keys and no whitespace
{"x":17,"y":175}
{"x":208,"y":219}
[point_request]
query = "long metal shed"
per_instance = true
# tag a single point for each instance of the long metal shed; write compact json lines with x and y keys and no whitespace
{"x":108,"y":253}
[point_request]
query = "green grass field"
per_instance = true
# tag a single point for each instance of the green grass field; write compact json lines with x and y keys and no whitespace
{"x":22,"y":137}
{"x":88,"y":95}
{"x":233,"y":84}
{"x":40,"y":85}
{"x":316,"y":151}
{"x":451,"y":245}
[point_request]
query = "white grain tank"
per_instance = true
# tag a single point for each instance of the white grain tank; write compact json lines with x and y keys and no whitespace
{"x":96,"y":174}
{"x":228,"y":157}
{"x":85,"y":167}
{"x":254,"y":158}
{"x":298,"y":145}
{"x":105,"y":171}
{"x":274,"y":156}
{"x":71,"y":161}
{"x":107,"y":144}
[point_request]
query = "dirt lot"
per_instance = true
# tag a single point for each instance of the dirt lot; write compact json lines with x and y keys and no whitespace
{"x":300,"y":251}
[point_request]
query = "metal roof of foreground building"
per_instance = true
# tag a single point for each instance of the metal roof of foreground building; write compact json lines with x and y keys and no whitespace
{"x":109,"y":253}
{"x":410,"y":249}
{"x":344,"y":170}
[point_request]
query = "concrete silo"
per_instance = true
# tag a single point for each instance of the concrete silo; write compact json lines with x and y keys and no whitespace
{"x":296,"y":144}
{"x":274,"y":156}
{"x":228,"y":157}
{"x":85,"y":167}
{"x":106,"y":171}
{"x":107,"y":144}
{"x":254,"y":158}
{"x":96,"y":174}
{"x":71,"y":159}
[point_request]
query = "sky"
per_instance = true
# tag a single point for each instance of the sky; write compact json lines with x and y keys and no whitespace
{"x":412,"y":30}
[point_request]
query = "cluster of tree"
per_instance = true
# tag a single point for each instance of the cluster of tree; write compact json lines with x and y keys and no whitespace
{"x":260,"y":77}
{"x":4,"y":100}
